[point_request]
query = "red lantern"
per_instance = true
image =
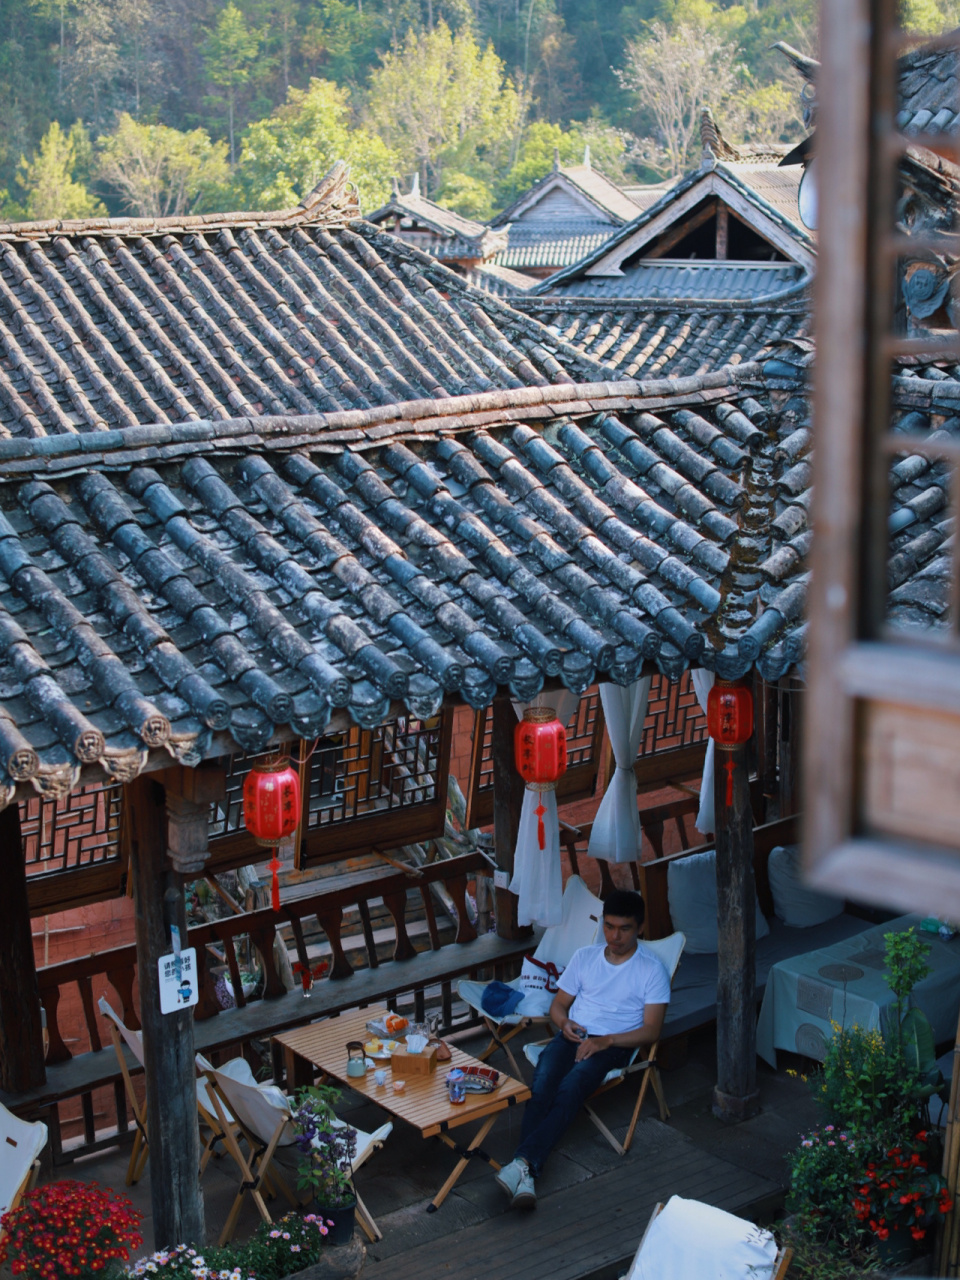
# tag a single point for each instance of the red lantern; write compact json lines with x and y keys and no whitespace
{"x":540,"y":751}
{"x":271,"y":809}
{"x":730,"y":722}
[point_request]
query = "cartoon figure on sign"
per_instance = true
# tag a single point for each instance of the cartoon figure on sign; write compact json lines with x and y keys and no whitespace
{"x":185,"y":991}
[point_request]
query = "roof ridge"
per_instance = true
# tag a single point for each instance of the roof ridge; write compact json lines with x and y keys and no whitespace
{"x":332,"y":202}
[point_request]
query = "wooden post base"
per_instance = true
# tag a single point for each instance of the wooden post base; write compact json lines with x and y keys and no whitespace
{"x":732,"y":1109}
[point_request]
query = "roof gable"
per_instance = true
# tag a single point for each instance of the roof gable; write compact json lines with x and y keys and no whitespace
{"x":570,"y":192}
{"x":753,"y":193}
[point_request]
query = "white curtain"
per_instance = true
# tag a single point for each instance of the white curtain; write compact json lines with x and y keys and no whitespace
{"x":616,"y":828}
{"x":705,"y":823}
{"x":537,"y":874}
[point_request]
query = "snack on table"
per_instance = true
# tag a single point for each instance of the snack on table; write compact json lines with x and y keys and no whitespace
{"x":395,"y":1024}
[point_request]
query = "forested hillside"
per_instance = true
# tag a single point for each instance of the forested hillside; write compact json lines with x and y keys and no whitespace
{"x":171,"y":106}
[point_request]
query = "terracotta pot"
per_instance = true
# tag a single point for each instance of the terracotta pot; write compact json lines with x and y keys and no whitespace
{"x":337,"y":1262}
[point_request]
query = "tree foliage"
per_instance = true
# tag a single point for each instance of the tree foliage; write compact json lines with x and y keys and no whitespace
{"x":49,"y":178}
{"x":160,"y":172}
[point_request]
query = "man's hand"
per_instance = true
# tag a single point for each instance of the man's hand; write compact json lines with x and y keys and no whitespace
{"x":573,"y":1032}
{"x":592,"y":1045}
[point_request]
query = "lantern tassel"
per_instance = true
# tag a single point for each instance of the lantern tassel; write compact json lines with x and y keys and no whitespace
{"x":541,"y":833}
{"x":274,"y":866}
{"x":729,"y":768}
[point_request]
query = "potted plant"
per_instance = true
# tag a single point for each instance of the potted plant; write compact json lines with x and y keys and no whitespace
{"x":900,"y":1199}
{"x":69,"y":1228}
{"x":327,"y":1147}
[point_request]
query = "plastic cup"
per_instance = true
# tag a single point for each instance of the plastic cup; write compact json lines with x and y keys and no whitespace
{"x":399,"y":1086}
{"x":380,"y":1076}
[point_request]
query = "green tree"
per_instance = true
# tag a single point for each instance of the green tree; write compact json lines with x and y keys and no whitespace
{"x":443,"y":102}
{"x":541,"y":140}
{"x":158,"y":171}
{"x":48,"y":178}
{"x":230,"y":52}
{"x":284,"y":156}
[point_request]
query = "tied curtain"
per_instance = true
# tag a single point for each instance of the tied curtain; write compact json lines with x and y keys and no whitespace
{"x":537,"y":874}
{"x":705,"y":823}
{"x":616,"y":828}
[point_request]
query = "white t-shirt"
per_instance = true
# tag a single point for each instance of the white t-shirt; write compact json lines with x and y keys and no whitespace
{"x":611,"y":997}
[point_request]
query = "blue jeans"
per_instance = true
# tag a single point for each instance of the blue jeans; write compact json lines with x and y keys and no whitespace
{"x":560,"y":1088}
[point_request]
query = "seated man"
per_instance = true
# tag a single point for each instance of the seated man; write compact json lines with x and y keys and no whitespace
{"x":613,"y":997}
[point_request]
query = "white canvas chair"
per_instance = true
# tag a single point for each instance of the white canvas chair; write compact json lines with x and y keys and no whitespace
{"x":687,"y":1240}
{"x":668,"y":951}
{"x":21,"y":1142}
{"x":582,"y":912}
{"x":261,"y":1115}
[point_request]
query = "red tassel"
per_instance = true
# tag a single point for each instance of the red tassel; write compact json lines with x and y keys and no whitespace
{"x":729,"y":768}
{"x":541,"y":834}
{"x":274,"y":865}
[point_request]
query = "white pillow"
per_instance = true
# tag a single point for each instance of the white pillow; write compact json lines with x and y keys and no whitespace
{"x":793,"y":902}
{"x":692,"y":897}
{"x":689,"y":1240}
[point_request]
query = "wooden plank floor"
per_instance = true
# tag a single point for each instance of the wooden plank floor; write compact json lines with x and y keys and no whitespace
{"x":575,"y":1231}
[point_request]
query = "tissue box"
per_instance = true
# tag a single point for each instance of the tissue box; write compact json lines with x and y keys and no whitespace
{"x":414,"y":1064}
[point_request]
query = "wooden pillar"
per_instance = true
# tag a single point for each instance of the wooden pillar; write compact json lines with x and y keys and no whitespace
{"x":790,"y":716}
{"x":735,"y":1096}
{"x":21,"y":1033}
{"x":723,"y":231}
{"x":167,"y":1038}
{"x":507,"y":802}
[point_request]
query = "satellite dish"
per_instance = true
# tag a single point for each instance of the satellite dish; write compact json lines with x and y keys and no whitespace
{"x":807,"y":196}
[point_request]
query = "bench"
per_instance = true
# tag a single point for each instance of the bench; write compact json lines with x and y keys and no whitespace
{"x":451,"y":952}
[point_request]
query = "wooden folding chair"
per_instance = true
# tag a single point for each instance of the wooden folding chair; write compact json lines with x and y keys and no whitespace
{"x":668,"y":951}
{"x":21,"y":1142}
{"x":121,"y":1035}
{"x":697,"y":1239}
{"x":581,"y":920}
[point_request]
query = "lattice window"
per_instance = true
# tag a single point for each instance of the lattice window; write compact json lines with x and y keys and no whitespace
{"x":584,"y":738}
{"x":72,"y":832}
{"x":674,"y":718}
{"x":363,"y":788}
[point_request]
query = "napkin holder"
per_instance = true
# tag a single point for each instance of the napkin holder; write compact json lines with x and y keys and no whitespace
{"x":408,"y":1065}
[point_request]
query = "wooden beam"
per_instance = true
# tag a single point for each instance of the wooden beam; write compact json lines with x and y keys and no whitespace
{"x":791,"y":713}
{"x":507,"y":802}
{"x":735,"y":1096}
{"x":21,"y":1034}
{"x":723,"y":231}
{"x":168,"y":1046}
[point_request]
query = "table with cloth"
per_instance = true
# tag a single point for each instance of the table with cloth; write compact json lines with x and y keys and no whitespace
{"x":846,"y":983}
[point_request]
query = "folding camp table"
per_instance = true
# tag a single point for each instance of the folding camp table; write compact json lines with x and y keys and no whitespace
{"x":423,"y":1103}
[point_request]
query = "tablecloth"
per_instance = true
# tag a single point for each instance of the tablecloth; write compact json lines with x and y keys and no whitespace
{"x":846,"y":983}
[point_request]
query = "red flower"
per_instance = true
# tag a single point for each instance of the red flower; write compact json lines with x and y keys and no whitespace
{"x":917,"y":1232}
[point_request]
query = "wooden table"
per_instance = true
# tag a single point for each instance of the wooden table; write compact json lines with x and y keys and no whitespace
{"x":423,"y":1103}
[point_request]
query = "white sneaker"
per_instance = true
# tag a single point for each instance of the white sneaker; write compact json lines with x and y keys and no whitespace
{"x":510,"y":1176}
{"x":525,"y":1196}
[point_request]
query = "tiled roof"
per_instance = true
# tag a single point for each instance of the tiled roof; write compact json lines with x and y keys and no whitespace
{"x":929,"y":98}
{"x":106,"y":324}
{"x":439,"y":232}
{"x":552,"y":244}
{"x":654,"y":339}
{"x":611,"y":203}
{"x":677,"y":279}
{"x":501,"y":281}
{"x":255,"y":577}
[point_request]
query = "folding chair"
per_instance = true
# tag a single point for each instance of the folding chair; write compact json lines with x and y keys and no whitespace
{"x":581,"y":920}
{"x":260,"y":1114}
{"x":668,"y":951}
{"x":21,"y":1142}
{"x":121,"y":1035}
{"x":687,"y":1240}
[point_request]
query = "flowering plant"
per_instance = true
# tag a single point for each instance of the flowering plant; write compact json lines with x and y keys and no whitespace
{"x":327,"y":1146}
{"x":865,"y":1085}
{"x":275,"y":1251}
{"x":69,"y":1229}
{"x":898,"y":1192}
{"x":825,"y":1171}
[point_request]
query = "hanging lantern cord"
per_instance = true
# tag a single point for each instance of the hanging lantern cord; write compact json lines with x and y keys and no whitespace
{"x":274,"y":866}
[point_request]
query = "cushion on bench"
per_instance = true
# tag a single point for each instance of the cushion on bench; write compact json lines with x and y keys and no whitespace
{"x":692,"y":896}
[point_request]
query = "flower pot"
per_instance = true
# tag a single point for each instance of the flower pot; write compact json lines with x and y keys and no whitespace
{"x":898,"y":1248}
{"x":337,"y":1262}
{"x":340,"y":1218}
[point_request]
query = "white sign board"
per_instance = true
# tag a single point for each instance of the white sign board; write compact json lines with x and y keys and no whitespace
{"x":178,"y":981}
